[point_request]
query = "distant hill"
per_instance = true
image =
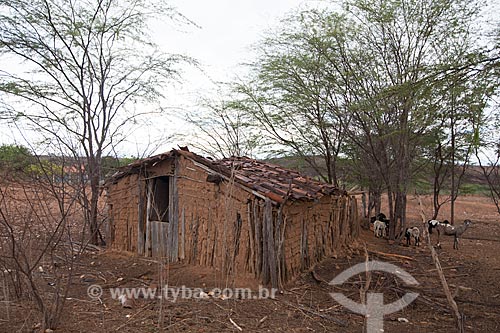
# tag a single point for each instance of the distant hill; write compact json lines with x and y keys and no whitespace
{"x":473,"y":182}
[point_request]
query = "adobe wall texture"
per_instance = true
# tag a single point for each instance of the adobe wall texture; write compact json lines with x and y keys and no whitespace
{"x":123,"y":211}
{"x":229,"y":228}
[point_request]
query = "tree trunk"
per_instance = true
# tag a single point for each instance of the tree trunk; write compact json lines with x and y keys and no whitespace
{"x":94,"y":171}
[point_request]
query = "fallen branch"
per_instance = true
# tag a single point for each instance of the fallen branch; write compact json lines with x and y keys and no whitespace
{"x":317,"y":278}
{"x":486,"y":304}
{"x":235,"y":325}
{"x":458,"y":275}
{"x":263,"y":319}
{"x":391,"y":255}
{"x":424,"y":299}
{"x":132,"y":316}
{"x":446,"y":288}
{"x":443,"y":268}
{"x":316,"y":313}
{"x":83,"y":246}
{"x":364,"y":288}
{"x":176,"y":323}
{"x":117,"y":283}
{"x":320,"y":280}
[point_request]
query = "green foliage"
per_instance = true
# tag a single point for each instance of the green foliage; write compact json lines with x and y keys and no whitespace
{"x":15,"y":158}
{"x":110,"y":164}
{"x":45,"y":169}
{"x":395,"y":89}
{"x":474,"y":189}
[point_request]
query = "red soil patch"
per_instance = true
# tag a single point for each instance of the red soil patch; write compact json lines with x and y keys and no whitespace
{"x":473,"y":273}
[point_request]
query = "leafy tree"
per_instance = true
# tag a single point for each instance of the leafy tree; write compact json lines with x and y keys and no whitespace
{"x":379,"y":82}
{"x":405,"y":46}
{"x":15,"y":158}
{"x":110,"y":164}
{"x":295,"y":95}
{"x":86,"y":66}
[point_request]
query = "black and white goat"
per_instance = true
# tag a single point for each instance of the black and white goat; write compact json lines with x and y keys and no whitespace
{"x":377,"y":227}
{"x":448,"y":230}
{"x":412,"y":232}
{"x":408,"y":233}
{"x":380,"y":217}
{"x":433,"y":223}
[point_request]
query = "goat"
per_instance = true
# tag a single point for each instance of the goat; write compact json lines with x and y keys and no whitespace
{"x":449,"y":230}
{"x":433,"y":223}
{"x":408,"y":233}
{"x":379,"y":228}
{"x":412,"y":232}
{"x":379,"y":216}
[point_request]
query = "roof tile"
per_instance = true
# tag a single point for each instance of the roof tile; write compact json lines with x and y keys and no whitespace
{"x":272,"y":181}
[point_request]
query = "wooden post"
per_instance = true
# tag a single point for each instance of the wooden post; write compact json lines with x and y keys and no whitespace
{"x":251,"y":237}
{"x":182,"y":253}
{"x":236,"y":240}
{"x":147,"y":248}
{"x":265,"y":248}
{"x":194,"y":251}
{"x":363,"y":201}
{"x":140,"y":218}
{"x":258,"y":240}
{"x":269,"y":235}
{"x":304,"y":251}
{"x":453,"y":305}
{"x":173,"y":215}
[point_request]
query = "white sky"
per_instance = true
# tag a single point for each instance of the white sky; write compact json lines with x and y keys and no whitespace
{"x":226,"y":32}
{"x":227,"y":29}
{"x":222,"y":42}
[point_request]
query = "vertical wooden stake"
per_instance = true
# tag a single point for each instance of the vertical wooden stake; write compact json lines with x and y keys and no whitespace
{"x":446,"y":288}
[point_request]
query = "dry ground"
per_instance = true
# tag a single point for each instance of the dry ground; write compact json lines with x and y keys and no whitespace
{"x":473,"y":273}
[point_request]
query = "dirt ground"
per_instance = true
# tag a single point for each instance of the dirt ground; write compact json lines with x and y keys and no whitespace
{"x":473,"y":273}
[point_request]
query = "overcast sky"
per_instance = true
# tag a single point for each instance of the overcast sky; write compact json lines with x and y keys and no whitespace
{"x":227,"y":30}
{"x":221,"y":41}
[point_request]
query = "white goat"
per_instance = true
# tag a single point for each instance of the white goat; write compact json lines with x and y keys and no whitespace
{"x":449,"y":230}
{"x":379,"y":228}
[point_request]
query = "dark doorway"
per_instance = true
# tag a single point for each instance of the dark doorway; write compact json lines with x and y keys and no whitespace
{"x":159,"y":199}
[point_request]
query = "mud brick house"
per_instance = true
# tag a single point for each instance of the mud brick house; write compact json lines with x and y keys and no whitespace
{"x":238,"y":214}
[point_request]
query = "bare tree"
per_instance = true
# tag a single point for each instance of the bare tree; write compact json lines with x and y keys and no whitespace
{"x":487,"y":151}
{"x":224,"y":129}
{"x":39,"y":236}
{"x":86,"y":66}
{"x":492,"y":174}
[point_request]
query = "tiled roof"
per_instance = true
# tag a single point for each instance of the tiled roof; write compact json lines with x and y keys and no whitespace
{"x":274,"y":181}
{"x":269,"y":180}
